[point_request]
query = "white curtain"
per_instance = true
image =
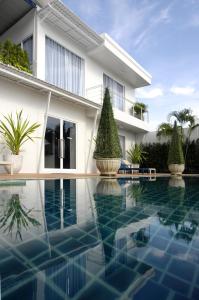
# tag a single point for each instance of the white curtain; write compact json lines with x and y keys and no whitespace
{"x":63,"y":68}
{"x":116,"y":91}
{"x":28,"y":47}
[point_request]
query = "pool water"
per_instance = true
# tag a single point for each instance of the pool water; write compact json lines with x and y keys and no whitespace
{"x":100,"y":239}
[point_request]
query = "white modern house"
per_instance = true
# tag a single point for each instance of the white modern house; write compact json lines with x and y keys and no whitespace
{"x":71,"y":66}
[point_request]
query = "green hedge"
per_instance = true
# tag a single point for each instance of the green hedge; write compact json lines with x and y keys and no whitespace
{"x":12,"y":54}
{"x":157,"y":155}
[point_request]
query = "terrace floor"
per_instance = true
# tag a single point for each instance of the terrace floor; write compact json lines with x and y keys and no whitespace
{"x":4,"y":176}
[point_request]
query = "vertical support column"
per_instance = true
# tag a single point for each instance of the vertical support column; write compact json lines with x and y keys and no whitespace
{"x":35,"y":37}
{"x":44,"y":131}
{"x":91,"y":140}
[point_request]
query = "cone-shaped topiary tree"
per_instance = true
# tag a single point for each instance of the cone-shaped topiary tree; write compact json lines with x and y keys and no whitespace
{"x":175,"y":150}
{"x":107,"y":142}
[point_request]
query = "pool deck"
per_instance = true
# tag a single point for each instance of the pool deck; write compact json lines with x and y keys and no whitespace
{"x":75,"y":175}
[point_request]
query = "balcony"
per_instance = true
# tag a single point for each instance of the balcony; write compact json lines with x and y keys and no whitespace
{"x":119,"y":103}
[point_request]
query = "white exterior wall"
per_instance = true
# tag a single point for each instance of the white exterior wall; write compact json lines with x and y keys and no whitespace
{"x":14,"y":97}
{"x":93,"y":71}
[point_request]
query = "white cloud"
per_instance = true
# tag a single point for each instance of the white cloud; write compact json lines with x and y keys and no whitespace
{"x":149,"y":93}
{"x":184,"y":91}
{"x":194,"y":21}
{"x":140,"y":20}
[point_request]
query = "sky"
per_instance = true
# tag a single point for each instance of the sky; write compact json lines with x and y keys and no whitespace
{"x":162,"y":36}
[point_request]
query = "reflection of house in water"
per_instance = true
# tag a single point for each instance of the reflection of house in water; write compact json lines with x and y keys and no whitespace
{"x":77,"y":237}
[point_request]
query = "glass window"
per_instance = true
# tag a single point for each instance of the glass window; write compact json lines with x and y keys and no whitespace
{"x":28,"y":47}
{"x":116,"y":91}
{"x":64,"y":68}
{"x":69,"y":136}
{"x":52,"y":138}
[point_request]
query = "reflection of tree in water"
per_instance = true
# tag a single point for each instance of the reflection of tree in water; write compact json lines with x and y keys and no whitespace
{"x":16,"y":216}
{"x":172,"y":205}
{"x":135,"y":191}
{"x":176,"y":215}
{"x":141,"y":237}
{"x":108,"y":207}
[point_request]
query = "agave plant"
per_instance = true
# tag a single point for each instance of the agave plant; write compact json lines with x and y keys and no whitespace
{"x":136,"y":154}
{"x":17,"y":132}
{"x":17,"y":216}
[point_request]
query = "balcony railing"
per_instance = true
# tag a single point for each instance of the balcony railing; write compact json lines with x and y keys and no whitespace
{"x":96,"y":94}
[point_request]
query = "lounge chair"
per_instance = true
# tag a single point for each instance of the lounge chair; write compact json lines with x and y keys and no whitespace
{"x":127,"y":168}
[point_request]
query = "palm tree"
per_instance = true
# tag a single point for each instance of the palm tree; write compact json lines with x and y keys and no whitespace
{"x":164,"y":130}
{"x":183,"y":117}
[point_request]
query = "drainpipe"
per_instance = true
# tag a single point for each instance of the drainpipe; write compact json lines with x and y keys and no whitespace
{"x":91,"y":140}
{"x":35,"y":38}
{"x":44,"y":131}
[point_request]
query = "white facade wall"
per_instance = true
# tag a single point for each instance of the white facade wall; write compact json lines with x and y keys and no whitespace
{"x":14,"y":97}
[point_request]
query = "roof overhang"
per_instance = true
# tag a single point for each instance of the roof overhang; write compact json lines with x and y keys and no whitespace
{"x":117,"y":60}
{"x":28,"y":80}
{"x":12,"y":11}
{"x":60,"y":16}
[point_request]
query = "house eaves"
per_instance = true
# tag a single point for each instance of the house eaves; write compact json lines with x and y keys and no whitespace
{"x":28,"y":80}
{"x":60,"y":16}
{"x":12,"y":11}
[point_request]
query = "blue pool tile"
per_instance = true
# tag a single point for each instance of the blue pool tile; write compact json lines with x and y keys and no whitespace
{"x":159,"y":242}
{"x":195,"y":243}
{"x":157,"y":258}
{"x":182,"y":269}
{"x":176,"y":284}
{"x":150,"y":291}
{"x":177,"y":249}
{"x":180,"y":297}
{"x":195,"y":294}
{"x":193,"y":256}
{"x":97,"y":291}
{"x":113,"y":275}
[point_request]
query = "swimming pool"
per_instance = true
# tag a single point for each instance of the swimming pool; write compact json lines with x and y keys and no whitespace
{"x":100,"y":239}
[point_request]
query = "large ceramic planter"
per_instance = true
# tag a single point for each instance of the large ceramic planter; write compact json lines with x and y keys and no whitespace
{"x":108,"y":166}
{"x":176,"y":169}
{"x":16,"y":160}
{"x":177,"y":181}
{"x":109,"y":186}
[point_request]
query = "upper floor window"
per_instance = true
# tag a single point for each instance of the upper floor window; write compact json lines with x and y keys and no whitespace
{"x":64,"y":68}
{"x":27,"y":45}
{"x":116,"y":91}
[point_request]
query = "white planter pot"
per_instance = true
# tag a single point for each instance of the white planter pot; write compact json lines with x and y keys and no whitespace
{"x":177,"y":181}
{"x":108,"y":166}
{"x":108,"y":186}
{"x":176,"y":169}
{"x":16,"y":160}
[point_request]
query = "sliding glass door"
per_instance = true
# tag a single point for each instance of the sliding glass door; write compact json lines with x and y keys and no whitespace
{"x":60,"y":144}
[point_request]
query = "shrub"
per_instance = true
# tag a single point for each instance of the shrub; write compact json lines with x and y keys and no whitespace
{"x":107,"y":141}
{"x":136,"y":154}
{"x":12,"y":54}
{"x":176,"y":155}
{"x":139,"y":108}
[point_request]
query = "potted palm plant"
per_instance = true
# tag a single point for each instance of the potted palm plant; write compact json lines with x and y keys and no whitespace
{"x":16,"y":217}
{"x":139,"y":109}
{"x":108,"y":151}
{"x":136,"y":155}
{"x":16,"y":132}
{"x":176,"y":157}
